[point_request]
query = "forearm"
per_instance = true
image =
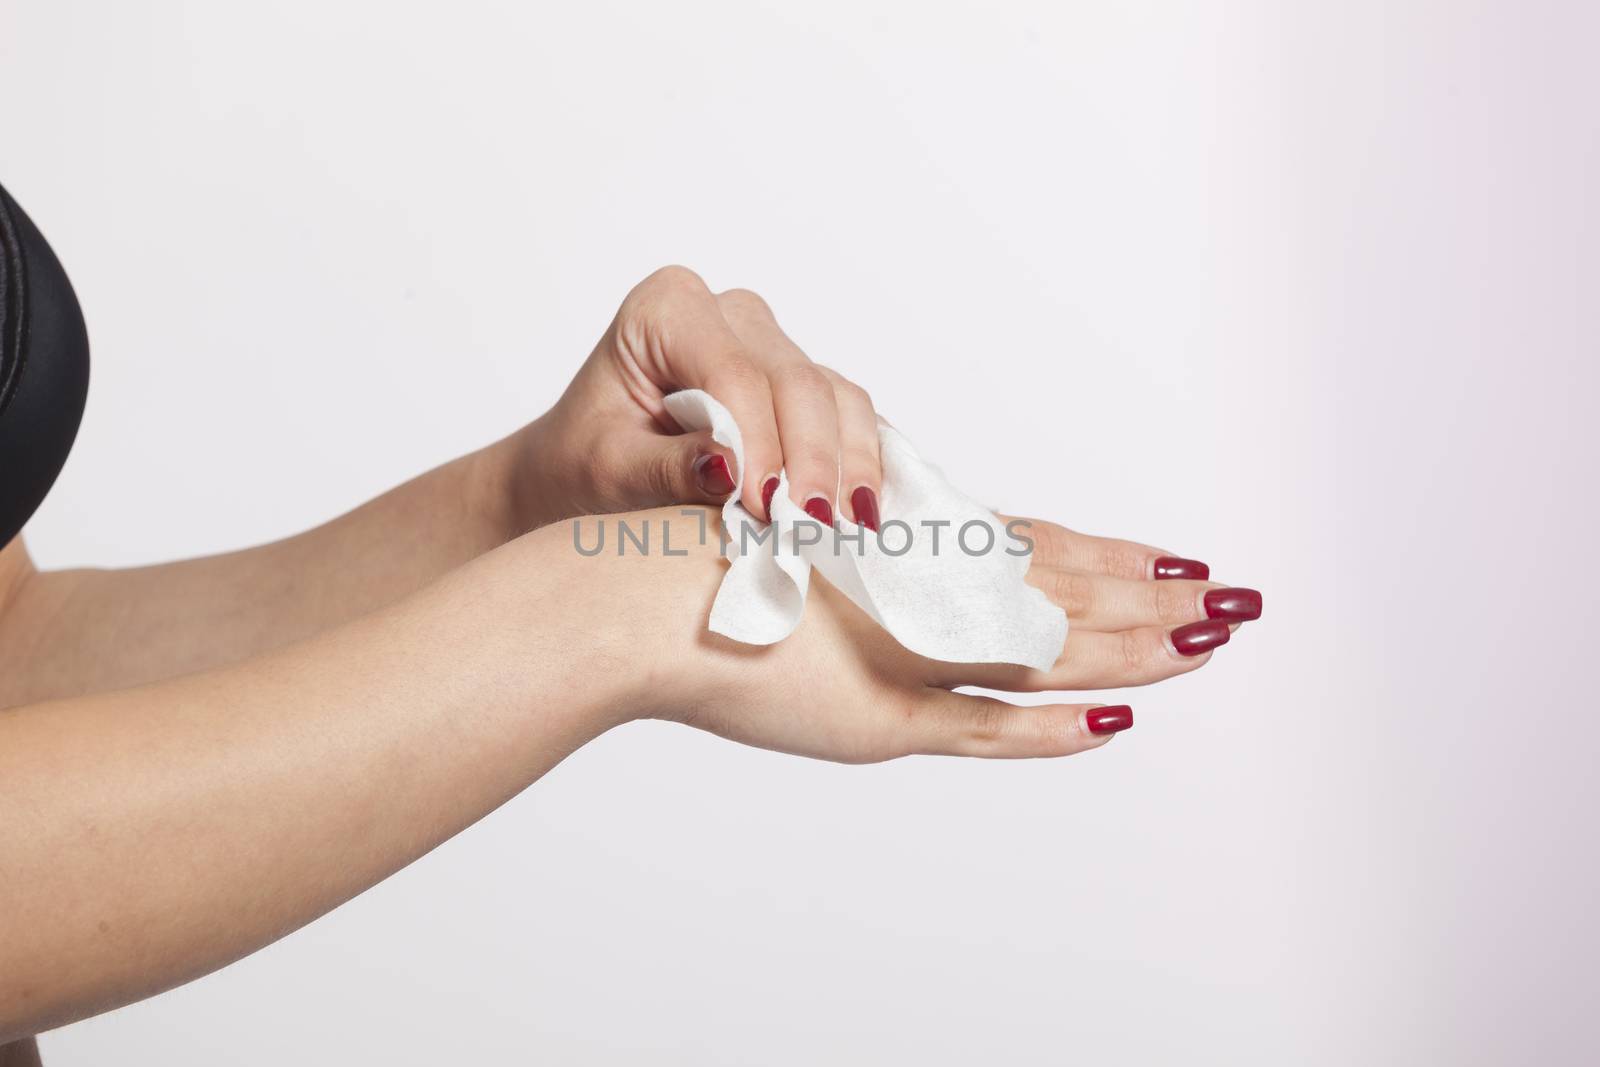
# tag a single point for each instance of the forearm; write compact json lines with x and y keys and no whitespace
{"x":149,"y":836}
{"x":68,"y":633}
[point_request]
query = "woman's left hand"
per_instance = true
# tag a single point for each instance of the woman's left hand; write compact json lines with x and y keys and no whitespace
{"x":609,"y":445}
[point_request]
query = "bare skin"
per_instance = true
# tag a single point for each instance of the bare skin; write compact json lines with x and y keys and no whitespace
{"x":200,"y":757}
{"x":606,"y":446}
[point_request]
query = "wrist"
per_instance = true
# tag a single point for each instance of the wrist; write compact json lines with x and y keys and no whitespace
{"x":637,"y":618}
{"x":509,"y":490}
{"x":527,"y":468}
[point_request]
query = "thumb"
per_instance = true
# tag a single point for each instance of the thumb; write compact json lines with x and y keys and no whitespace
{"x":687,"y":468}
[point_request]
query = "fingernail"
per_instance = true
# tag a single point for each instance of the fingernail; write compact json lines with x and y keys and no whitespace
{"x":820,"y":509}
{"x":865,"y":503}
{"x":1193,"y":638}
{"x":1233,"y":605}
{"x":711,"y":474}
{"x":1109,"y":720}
{"x":1178,"y":567}
{"x":766,"y":495}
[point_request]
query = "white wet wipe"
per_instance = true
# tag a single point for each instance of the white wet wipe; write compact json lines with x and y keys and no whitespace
{"x":944,"y":575}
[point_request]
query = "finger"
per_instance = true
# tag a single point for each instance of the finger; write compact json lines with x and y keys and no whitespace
{"x":1091,"y":659}
{"x":673,"y":330}
{"x":860,"y":468}
{"x":687,"y":468}
{"x":956,"y":724}
{"x":803,"y":401}
{"x":1099,"y":602}
{"x":1057,"y":546}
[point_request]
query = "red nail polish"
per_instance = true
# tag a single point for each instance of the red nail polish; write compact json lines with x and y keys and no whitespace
{"x":766,"y":495}
{"x":711,"y":474}
{"x":1177,"y":567}
{"x":1109,"y":720}
{"x":820,"y":509}
{"x":865,"y":503}
{"x":1193,"y":638}
{"x":1233,"y":605}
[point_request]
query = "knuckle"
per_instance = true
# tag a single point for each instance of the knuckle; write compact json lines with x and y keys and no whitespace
{"x":900,"y":730}
{"x":611,"y":476}
{"x":803,"y":377}
{"x":1053,"y":733}
{"x":736,"y":375}
{"x":1122,"y":561}
{"x":666,"y":477}
{"x":986,"y":726}
{"x":1171,"y":602}
{"x":855,"y":393}
{"x":652,"y":303}
{"x":743,"y":302}
{"x":844,"y":386}
{"x":815,"y":457}
{"x":1133,"y":652}
{"x":1073,"y":592}
{"x":673,"y":278}
{"x":861,"y":463}
{"x":1049,"y":541}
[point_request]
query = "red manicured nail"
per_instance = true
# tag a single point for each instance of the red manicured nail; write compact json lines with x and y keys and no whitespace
{"x":711,"y":474}
{"x":1233,"y":605}
{"x":1193,"y":638}
{"x":820,"y":509}
{"x":1177,"y":567}
{"x":766,"y":495}
{"x":1109,"y":720}
{"x":865,"y":503}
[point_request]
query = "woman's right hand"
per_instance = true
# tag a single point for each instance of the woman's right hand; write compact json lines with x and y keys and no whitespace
{"x":610,"y":445}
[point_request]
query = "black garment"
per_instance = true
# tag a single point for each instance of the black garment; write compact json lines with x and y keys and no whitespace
{"x":44,"y":367}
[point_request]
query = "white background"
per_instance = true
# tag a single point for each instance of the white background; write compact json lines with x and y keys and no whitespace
{"x":1303,"y":290}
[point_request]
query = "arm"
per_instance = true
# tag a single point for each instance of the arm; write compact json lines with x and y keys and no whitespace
{"x":607,"y":446}
{"x":150,"y":835}
{"x":66,"y":633}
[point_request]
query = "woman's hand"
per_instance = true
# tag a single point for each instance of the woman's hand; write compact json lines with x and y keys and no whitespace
{"x":841,"y":688}
{"x":609,"y":445}
{"x":233,"y":805}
